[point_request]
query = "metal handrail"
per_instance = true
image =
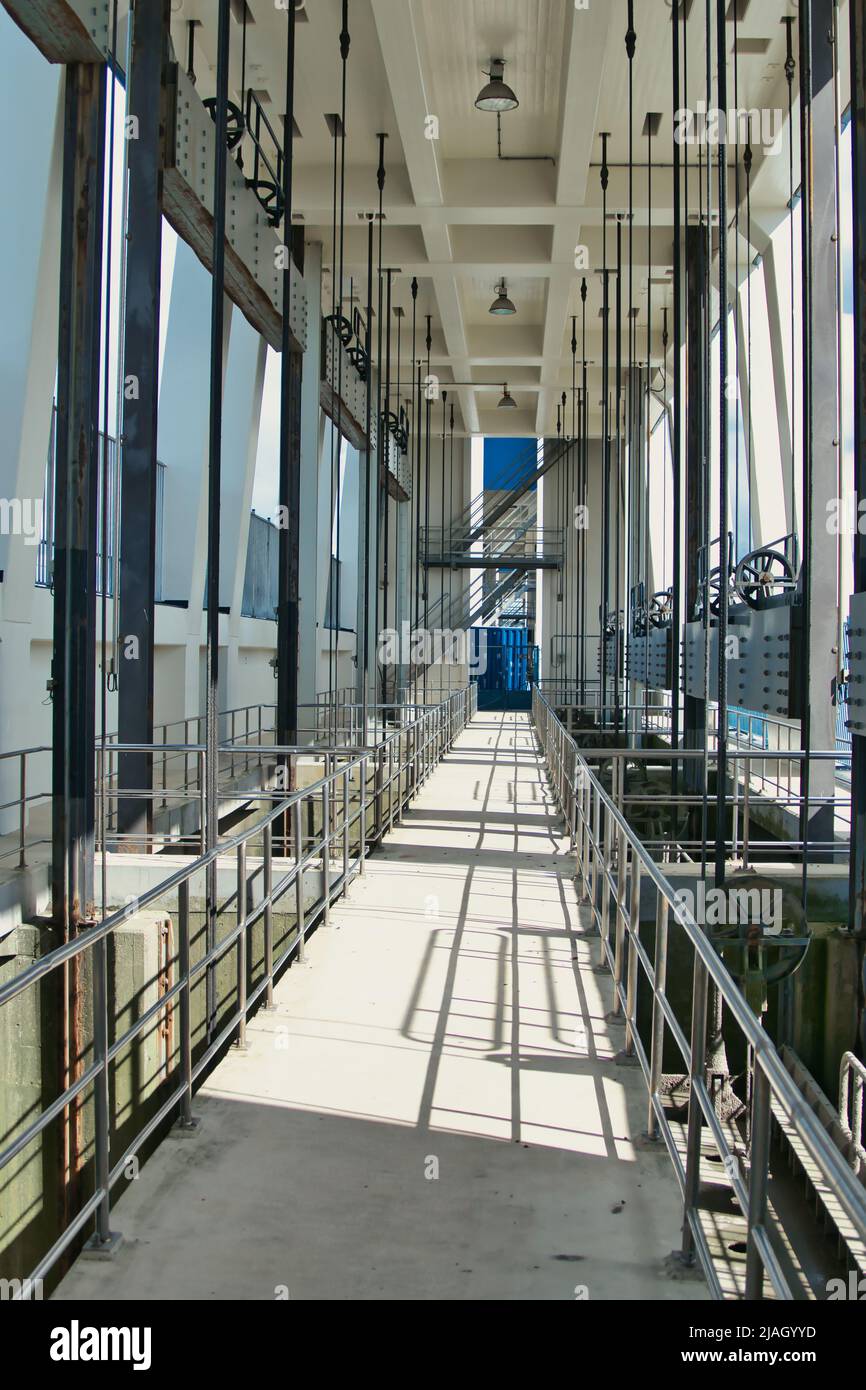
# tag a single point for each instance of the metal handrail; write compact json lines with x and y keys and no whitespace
{"x":612,"y":863}
{"x":418,"y":746}
{"x":247,"y":725}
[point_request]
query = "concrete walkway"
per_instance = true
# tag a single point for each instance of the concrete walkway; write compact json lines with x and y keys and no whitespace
{"x":433,"y":1109}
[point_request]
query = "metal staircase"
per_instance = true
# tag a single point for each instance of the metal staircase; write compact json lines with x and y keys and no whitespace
{"x":477,"y":604}
{"x":525,"y":473}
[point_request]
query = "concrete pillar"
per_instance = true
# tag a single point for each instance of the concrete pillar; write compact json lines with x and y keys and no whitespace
{"x":315,"y":542}
{"x":242,"y":409}
{"x":32,"y":91}
{"x":183,"y":432}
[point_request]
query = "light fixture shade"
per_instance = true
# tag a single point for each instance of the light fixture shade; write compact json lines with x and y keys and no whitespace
{"x":508,"y":402}
{"x":502,"y":305}
{"x":496,"y":96}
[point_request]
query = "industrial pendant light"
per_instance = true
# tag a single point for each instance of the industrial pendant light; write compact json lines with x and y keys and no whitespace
{"x":496,"y":96}
{"x":508,"y":402}
{"x":502,"y":305}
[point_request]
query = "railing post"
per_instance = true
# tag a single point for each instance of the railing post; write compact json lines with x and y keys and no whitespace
{"x":326,"y":853}
{"x":379,"y":779}
{"x":202,"y":802}
{"x":660,"y":973}
{"x":268,"y":917}
{"x":345,"y":828}
{"x":186,"y":1120}
{"x":746,"y":810}
{"x":363,"y":832}
{"x":606,"y":865}
{"x":22,"y":819}
{"x":621,"y":889}
{"x":242,"y":946}
{"x":695,"y":1120}
{"x":164,"y":765}
{"x":299,"y":880}
{"x":595,"y":853}
{"x":633,"y":935}
{"x":186,"y":755}
{"x":102,"y":1239}
{"x":391,"y":782}
{"x":582,"y":786}
{"x":758,"y":1179}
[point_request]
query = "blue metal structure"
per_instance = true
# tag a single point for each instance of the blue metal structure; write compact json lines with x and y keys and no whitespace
{"x":505,"y":665}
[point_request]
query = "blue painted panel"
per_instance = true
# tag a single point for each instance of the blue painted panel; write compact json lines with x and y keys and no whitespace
{"x":501,"y":457}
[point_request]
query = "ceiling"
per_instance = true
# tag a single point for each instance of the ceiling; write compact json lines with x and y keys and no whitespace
{"x":458,"y":218}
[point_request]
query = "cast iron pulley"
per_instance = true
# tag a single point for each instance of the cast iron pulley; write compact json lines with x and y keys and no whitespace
{"x":342,"y":327}
{"x":360,"y":361}
{"x":235,"y":123}
{"x":270,"y":197}
{"x":640,"y":620}
{"x":715,"y":587}
{"x":760,"y":931}
{"x":764,"y":575}
{"x":661,"y":608}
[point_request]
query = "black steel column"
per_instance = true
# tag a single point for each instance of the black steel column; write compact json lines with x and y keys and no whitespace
{"x":820,"y":413}
{"x":676,"y":441}
{"x":721,"y":764}
{"x":858,"y":155}
{"x":288,"y":610}
{"x":214,"y":492}
{"x":696,"y":312}
{"x":76,"y":492}
{"x":138,"y":452}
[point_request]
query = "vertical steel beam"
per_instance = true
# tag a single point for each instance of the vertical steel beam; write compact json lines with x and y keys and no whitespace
{"x":858,"y":157}
{"x":676,"y":431}
{"x":288,"y":614}
{"x":149,"y":56}
{"x":695,"y":314}
{"x":721,"y":765}
{"x":820,"y":410}
{"x":217,"y":348}
{"x":76,"y":487}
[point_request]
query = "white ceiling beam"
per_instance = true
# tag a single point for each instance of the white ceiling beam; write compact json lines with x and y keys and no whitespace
{"x":401,"y":45}
{"x":583,"y":55}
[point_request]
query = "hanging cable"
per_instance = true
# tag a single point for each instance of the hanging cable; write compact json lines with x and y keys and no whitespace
{"x":790,"y":69}
{"x":583,"y":501}
{"x":724,"y":587}
{"x":345,"y":46}
{"x":564,"y":572}
{"x":747,"y":165}
{"x":334,"y":436}
{"x":442,"y":517}
{"x":448,"y":623}
{"x":617,"y":523}
{"x":676,"y":443}
{"x":738,"y":429}
{"x":428,"y":411}
{"x":381,"y":444}
{"x":109,"y":679}
{"x":370,"y":466}
{"x":605,"y":370}
{"x":386,"y":437}
{"x":705,"y":201}
{"x":647,"y":564}
{"x":397,"y":424}
{"x":415,"y":497}
{"x":240,"y":156}
{"x":571,"y":531}
{"x":630,"y":48}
